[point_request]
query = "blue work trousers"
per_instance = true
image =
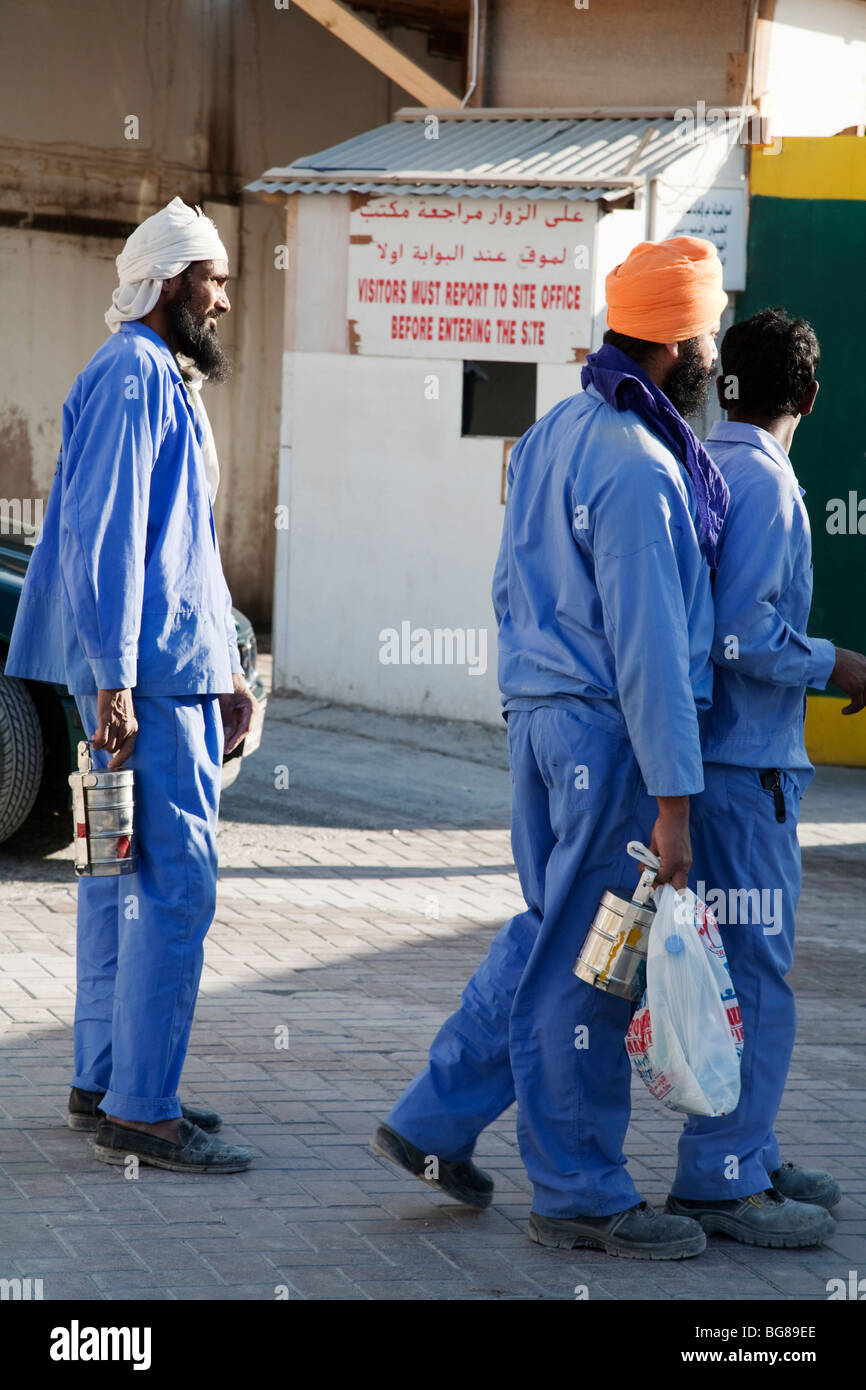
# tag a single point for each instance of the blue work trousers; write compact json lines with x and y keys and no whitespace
{"x":746,"y":866}
{"x":140,"y":935}
{"x":528,"y":1028}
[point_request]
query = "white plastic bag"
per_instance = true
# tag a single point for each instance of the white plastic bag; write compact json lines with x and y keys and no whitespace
{"x":686,"y":1038}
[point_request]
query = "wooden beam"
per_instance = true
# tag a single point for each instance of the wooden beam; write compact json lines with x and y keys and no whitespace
{"x":447,"y":15}
{"x":383,"y":55}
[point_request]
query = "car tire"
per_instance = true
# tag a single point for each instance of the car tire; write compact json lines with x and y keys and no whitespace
{"x":22,"y":754}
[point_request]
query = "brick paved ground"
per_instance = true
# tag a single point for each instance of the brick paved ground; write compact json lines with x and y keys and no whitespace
{"x":353,"y":906}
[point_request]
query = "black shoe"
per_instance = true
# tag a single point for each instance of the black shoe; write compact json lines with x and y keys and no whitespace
{"x":84,"y":1112}
{"x":764,"y":1218}
{"x":462,"y":1181}
{"x":638,"y":1233}
{"x":807,"y":1185}
{"x":194,"y":1152}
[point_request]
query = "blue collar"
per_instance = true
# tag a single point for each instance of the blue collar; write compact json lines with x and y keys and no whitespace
{"x":626,"y":386}
{"x":738,"y":432}
{"x":136,"y":326}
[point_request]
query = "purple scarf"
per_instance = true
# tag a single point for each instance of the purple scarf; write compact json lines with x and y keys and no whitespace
{"x":625,"y":386}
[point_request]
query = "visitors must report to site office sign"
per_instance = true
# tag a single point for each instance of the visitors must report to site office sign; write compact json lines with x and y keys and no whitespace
{"x":497,"y":278}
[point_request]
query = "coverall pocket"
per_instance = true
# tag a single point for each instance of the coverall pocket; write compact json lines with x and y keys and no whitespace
{"x":580,"y":764}
{"x":716,"y":798}
{"x":788,"y":795}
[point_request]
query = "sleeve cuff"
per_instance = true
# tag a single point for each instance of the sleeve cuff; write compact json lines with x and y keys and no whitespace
{"x":117,"y":673}
{"x":234,"y":653}
{"x":691,"y":787}
{"x":821,"y":665}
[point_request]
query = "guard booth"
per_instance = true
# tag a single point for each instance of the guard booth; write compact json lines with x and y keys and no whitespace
{"x":442,"y":280}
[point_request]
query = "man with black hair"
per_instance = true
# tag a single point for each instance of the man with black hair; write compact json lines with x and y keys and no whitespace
{"x":730,"y":1176}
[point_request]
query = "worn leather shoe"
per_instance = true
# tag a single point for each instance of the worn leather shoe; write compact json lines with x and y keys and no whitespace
{"x":194,"y":1152}
{"x":764,"y":1218}
{"x":84,"y":1112}
{"x":463,"y":1181}
{"x":638,"y":1233}
{"x":807,"y":1185}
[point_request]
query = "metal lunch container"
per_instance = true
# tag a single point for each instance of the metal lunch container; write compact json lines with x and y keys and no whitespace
{"x":613,"y":956}
{"x":102,"y":810}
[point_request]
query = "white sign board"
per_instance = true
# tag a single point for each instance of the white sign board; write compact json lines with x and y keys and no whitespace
{"x":719,"y":216}
{"x":504,"y":279}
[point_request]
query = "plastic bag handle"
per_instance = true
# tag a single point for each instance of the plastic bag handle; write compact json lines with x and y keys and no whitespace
{"x":643,"y":855}
{"x":644,"y":890}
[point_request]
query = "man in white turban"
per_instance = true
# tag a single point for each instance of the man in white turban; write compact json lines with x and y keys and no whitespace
{"x":125,"y":603}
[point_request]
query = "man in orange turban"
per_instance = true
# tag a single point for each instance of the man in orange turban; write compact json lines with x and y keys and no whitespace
{"x":664,"y":305}
{"x":667,"y":291}
{"x":602,"y":596}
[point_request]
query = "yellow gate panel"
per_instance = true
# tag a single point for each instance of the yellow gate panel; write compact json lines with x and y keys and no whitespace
{"x":834,"y":737}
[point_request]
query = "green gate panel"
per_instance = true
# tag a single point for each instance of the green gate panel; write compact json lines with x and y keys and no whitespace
{"x":809,"y":256}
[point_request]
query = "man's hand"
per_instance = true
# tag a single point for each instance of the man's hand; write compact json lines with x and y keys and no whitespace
{"x":237,"y":712}
{"x":117,"y":725}
{"x":671,"y":842}
{"x":849,"y":676}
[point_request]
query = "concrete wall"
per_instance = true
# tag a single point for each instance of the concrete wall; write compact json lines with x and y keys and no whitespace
{"x":220,"y":92}
{"x":613,"y":52}
{"x":393,"y":517}
{"x":50,"y":284}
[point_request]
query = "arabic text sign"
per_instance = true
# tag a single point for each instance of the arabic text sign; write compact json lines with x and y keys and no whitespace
{"x":498,"y":279}
{"x":720,"y":217}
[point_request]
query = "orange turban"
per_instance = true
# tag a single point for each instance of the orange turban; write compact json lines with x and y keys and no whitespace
{"x":666,"y":291}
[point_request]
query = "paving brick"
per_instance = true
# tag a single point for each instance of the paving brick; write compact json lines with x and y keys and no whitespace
{"x":327,"y":930}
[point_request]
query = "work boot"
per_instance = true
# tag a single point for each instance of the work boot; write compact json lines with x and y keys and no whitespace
{"x":806,"y":1185}
{"x":764,"y":1218}
{"x":193,"y":1152}
{"x":463,"y":1181}
{"x":84,"y":1112}
{"x":638,"y":1233}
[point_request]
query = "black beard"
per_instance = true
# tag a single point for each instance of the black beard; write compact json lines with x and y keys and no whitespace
{"x":687,"y":385}
{"x":197,"y":342}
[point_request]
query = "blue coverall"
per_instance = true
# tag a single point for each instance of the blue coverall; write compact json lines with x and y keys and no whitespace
{"x":746,"y":863}
{"x":125,"y":589}
{"x":605,"y":619}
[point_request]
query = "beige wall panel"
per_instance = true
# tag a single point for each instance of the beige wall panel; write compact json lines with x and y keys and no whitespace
{"x":613,"y":52}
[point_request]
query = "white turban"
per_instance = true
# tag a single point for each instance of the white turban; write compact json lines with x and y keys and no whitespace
{"x":160,"y":248}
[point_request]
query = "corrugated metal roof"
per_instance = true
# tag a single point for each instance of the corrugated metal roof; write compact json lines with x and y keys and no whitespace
{"x":570,"y":158}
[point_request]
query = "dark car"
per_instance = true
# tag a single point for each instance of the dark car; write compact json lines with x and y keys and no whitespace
{"x":39,"y":724}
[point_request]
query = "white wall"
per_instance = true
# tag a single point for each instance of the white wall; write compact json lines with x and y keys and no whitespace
{"x":816,"y":74}
{"x":393,"y":517}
